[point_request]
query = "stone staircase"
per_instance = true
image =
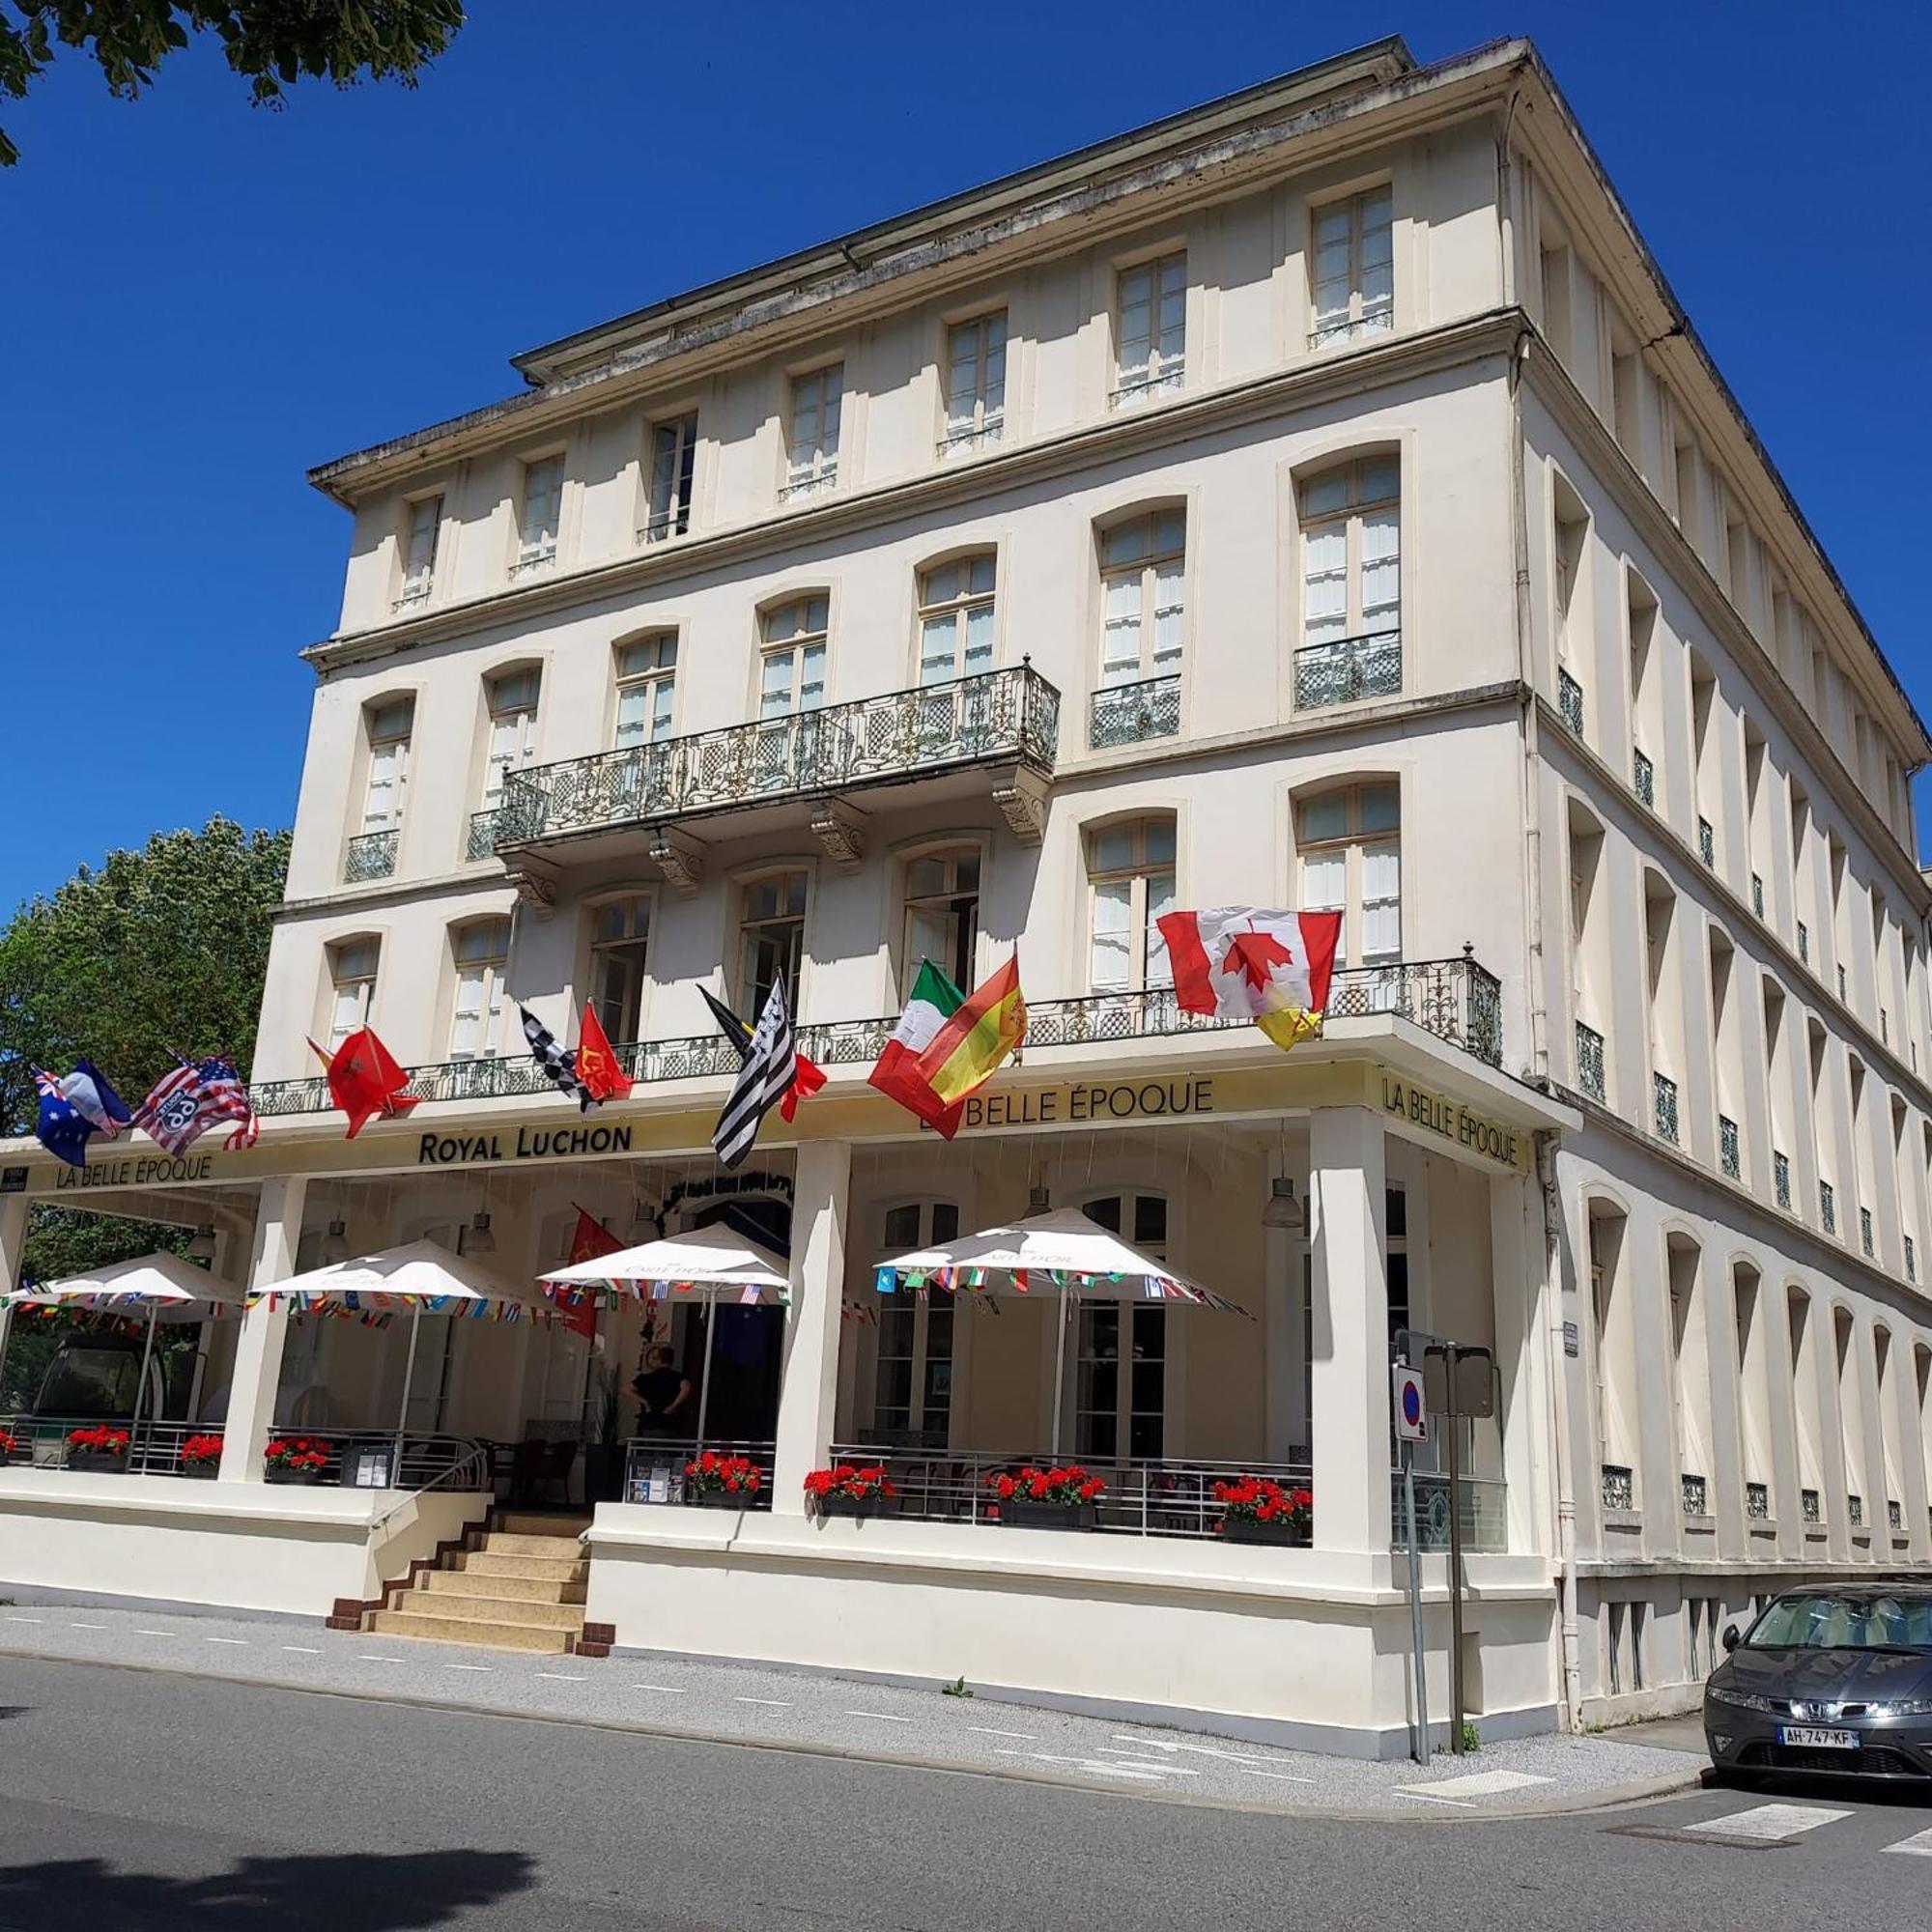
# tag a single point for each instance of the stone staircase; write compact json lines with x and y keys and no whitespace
{"x":517,"y":1584}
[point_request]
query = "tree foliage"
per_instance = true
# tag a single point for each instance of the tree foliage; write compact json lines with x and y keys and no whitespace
{"x":159,"y":951}
{"x":271,"y":43}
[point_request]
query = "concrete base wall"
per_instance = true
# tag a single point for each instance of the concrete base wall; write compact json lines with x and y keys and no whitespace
{"x":1297,"y":1648}
{"x":240,"y":1545}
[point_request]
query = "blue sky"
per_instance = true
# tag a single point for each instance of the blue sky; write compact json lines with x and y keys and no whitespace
{"x":205,"y":299}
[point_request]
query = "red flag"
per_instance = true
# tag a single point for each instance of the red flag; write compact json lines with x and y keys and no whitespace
{"x":806,"y":1081}
{"x":365,"y":1081}
{"x":598,"y":1071}
{"x":589,"y":1240}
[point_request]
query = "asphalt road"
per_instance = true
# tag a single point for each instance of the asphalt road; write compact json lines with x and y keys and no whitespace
{"x":131,"y":1802}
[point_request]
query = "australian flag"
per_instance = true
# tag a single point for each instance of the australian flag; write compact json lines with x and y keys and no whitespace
{"x":76,"y":1108}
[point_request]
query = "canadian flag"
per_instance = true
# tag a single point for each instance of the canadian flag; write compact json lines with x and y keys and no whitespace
{"x":1245,"y":962}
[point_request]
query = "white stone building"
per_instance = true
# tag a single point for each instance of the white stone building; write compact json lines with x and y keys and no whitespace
{"x":1315,"y":498}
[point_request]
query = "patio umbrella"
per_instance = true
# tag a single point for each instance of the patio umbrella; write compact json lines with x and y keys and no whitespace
{"x":1063,"y":1251}
{"x":165,"y":1287}
{"x":712,"y":1263}
{"x":419,"y":1276}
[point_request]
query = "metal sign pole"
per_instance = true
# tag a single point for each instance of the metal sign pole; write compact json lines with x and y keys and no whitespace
{"x":408,"y":1376}
{"x":135,"y":1459}
{"x":1453,"y":1421}
{"x":704,"y":1374}
{"x":1060,"y":1375}
{"x":1416,"y":1606}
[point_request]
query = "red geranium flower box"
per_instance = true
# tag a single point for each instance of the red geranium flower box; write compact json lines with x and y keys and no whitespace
{"x":849,"y":1489}
{"x":712,"y":1481}
{"x":296,"y":1459}
{"x":101,"y":1447}
{"x":1050,"y":1499}
{"x":14,"y":1448}
{"x":1257,"y":1508}
{"x":201,"y":1456}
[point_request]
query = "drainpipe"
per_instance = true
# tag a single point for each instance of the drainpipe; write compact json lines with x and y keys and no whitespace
{"x":1566,"y":1483}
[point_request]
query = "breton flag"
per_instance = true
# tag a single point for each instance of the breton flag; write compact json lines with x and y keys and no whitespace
{"x":1242,"y":962}
{"x":947,"y":1047}
{"x":807,"y":1080}
{"x":767,"y":1076}
{"x":365,"y":1081}
{"x":187,"y":1102}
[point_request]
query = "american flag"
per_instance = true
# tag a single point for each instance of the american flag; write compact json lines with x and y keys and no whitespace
{"x":187,"y":1102}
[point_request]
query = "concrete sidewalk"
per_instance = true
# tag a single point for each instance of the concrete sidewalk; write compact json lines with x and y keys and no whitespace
{"x":829,"y":1715}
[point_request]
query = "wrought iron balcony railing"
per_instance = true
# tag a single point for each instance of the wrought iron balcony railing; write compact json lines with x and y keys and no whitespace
{"x":1707,"y":843}
{"x":1643,"y":777}
{"x":1664,"y":1092}
{"x":481,"y":841}
{"x":1455,"y":1000}
{"x":1127,"y":714}
{"x":1619,"y":1487}
{"x":1828,"y":1206}
{"x":1758,"y":894}
{"x":370,"y":855}
{"x":1009,"y":715}
{"x":1589,"y":1062}
{"x":1694,"y":1493}
{"x":1758,"y":1501}
{"x":1729,"y":1153}
{"x":1781,"y":1178}
{"x":1570,"y":702}
{"x":1811,"y":1506}
{"x":1348,"y":669}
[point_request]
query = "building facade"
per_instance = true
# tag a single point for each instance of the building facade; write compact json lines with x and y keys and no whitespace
{"x":1317,"y":499}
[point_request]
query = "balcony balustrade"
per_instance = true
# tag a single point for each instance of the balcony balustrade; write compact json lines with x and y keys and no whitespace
{"x":1456,"y":1001}
{"x":1002,"y":718}
{"x":1348,"y":669}
{"x":1780,"y":1179}
{"x":1570,"y":702}
{"x":1707,"y":843}
{"x":1758,"y":1501}
{"x":1589,"y":1061}
{"x":1129,"y":714}
{"x":1694,"y":1492}
{"x":1664,"y":1092}
{"x":481,"y":842}
{"x":1619,"y":1487}
{"x":1730,"y":1156}
{"x":1811,"y":1506}
{"x":1828,"y":1206}
{"x":370,"y":855}
{"x":1643,"y":778}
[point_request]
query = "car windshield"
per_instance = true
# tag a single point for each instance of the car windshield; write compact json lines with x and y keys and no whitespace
{"x":1825,"y":1622}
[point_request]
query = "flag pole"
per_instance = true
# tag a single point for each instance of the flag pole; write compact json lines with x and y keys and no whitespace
{"x":704,"y":1374}
{"x":408,"y":1376}
{"x":1059,"y":1373}
{"x":141,"y":1389}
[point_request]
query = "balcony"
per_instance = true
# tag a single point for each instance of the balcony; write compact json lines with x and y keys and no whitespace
{"x":1348,"y":669}
{"x":370,"y":855}
{"x":1455,"y":1000}
{"x":1128,"y":714}
{"x":1589,"y":1062}
{"x":1619,"y":1487}
{"x":1001,"y":725}
{"x":1758,"y":894}
{"x":1707,"y":843}
{"x":1664,"y":1092}
{"x":1694,"y":1493}
{"x":1643,"y":777}
{"x":1729,"y":1155}
{"x":1866,"y":1242}
{"x":1757,"y":1502}
{"x":1827,"y":1208}
{"x":1780,"y":1179}
{"x":1570,"y":702}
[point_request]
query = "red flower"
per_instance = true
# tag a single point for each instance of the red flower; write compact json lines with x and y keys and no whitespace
{"x":201,"y":1449}
{"x":101,"y":1438}
{"x":1262,"y":1499}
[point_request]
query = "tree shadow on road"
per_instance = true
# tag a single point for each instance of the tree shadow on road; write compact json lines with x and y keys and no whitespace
{"x":357,"y":1892}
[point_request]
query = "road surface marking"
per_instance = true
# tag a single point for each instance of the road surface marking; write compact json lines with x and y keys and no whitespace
{"x":772,"y":1703}
{"x":562,"y":1677}
{"x":139,"y":1632}
{"x":241,"y":1641}
{"x":1099,"y":1765}
{"x":1917,"y":1846}
{"x":663,"y":1689}
{"x":988,"y":1731}
{"x":26,"y":1620}
{"x":484,"y":1668}
{"x":1429,"y":1798}
{"x":1770,"y":1821}
{"x":86,"y":1627}
{"x":366,"y":1657}
{"x":879,"y":1717}
{"x":1475,"y":1784}
{"x":303,"y":1649}
{"x":1247,"y":1760}
{"x":1128,"y":1762}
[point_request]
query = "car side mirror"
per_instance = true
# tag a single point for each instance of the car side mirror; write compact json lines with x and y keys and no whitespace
{"x":1730,"y":1637}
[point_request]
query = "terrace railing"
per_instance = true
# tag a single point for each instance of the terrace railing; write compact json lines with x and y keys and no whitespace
{"x":654,"y":1466}
{"x":1009,"y":715}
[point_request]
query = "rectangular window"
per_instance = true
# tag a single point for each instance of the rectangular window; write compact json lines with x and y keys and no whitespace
{"x":1354,"y":282}
{"x":542,"y":508}
{"x":352,"y":973}
{"x":1350,"y":844}
{"x":791,"y":660}
{"x":956,"y":620}
{"x":912,"y":1389}
{"x":620,"y":932}
{"x":941,"y":916}
{"x":975,"y":384}
{"x":419,"y":535}
{"x":482,"y":950}
{"x":389,"y":726}
{"x":1131,"y":885}
{"x":1143,"y":597}
{"x":1351,"y":584}
{"x":513,"y":731}
{"x":1121,"y":1364}
{"x":771,"y":940}
{"x":812,"y":448}
{"x":674,"y":461}
{"x":646,"y":688}
{"x":1150,"y":338}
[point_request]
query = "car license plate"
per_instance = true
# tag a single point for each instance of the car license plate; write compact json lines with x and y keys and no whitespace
{"x":1812,"y":1738}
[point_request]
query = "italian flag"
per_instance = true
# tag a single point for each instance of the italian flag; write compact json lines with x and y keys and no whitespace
{"x":946,"y":1046}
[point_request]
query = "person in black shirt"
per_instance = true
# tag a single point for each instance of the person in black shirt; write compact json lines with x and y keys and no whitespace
{"x":664,"y":1396}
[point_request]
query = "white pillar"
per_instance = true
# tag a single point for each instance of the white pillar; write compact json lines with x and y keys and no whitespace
{"x":1346,"y":1182}
{"x":809,"y":1389}
{"x":12,"y":1241}
{"x":258,"y":1347}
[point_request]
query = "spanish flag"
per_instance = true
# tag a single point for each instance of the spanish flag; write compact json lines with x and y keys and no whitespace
{"x":970,"y":1047}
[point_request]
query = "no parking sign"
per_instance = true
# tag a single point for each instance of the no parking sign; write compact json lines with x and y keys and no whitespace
{"x":1412,"y":1413}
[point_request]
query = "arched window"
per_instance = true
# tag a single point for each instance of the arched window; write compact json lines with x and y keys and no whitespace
{"x":1350,"y":584}
{"x":771,"y":938}
{"x":620,"y":932}
{"x":480,"y":954}
{"x":942,"y":915}
{"x":422,"y":521}
{"x":1120,"y":1390}
{"x":1142,"y":589}
{"x":1614,"y":1336}
{"x":955,"y":618}
{"x":1131,"y":884}
{"x":389,"y":725}
{"x":791,"y":655}
{"x":513,"y":730}
{"x":1349,"y":842}
{"x":646,"y":688}
{"x":912,"y":1383}
{"x":351,"y":989}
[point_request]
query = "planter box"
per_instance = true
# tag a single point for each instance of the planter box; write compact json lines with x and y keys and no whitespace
{"x":1023,"y":1513}
{"x":305,"y":1479}
{"x":720,"y":1499}
{"x":97,"y":1462}
{"x":858,"y":1506}
{"x":1244,"y":1529}
{"x":202,"y":1472}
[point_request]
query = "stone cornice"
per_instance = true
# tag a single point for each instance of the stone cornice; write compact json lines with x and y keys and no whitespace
{"x":1334,"y":377}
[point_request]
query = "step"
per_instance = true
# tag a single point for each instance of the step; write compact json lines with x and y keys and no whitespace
{"x":511,"y":1542}
{"x":454,"y":1629}
{"x":503,"y":1589}
{"x":573,"y":1569}
{"x":538,"y":1522}
{"x":493,"y":1609}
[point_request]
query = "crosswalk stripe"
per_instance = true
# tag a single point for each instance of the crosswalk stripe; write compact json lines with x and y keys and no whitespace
{"x":1770,"y":1821}
{"x":1917,"y":1846}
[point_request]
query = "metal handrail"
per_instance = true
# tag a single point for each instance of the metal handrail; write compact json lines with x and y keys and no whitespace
{"x":1456,"y":1000}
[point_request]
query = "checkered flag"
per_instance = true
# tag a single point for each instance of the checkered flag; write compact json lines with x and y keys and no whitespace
{"x":556,"y":1059}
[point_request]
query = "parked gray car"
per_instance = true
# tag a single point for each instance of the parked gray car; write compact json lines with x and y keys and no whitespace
{"x":1830,"y":1683}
